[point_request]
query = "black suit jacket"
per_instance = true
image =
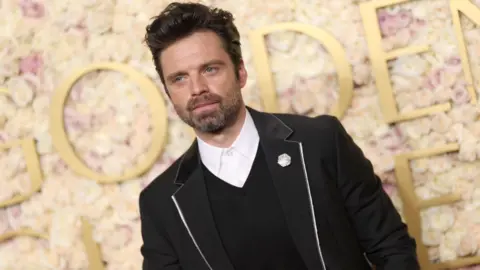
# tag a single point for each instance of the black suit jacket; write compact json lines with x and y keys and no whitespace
{"x":334,"y":204}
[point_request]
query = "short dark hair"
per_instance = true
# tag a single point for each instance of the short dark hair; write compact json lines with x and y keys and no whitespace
{"x":179,"y":20}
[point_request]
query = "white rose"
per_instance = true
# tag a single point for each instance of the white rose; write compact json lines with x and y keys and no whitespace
{"x":24,"y":244}
{"x":282,"y":41}
{"x":450,"y":244}
{"x":474,"y":128}
{"x":424,"y":192}
{"x":3,"y":220}
{"x":86,"y":191}
{"x":433,"y":254}
{"x":361,"y":74}
{"x":416,"y":128}
{"x":431,"y":238}
{"x":439,"y":218}
{"x":441,"y":184}
{"x":433,"y":139}
{"x":302,"y":102}
{"x":419,"y":165}
{"x":446,"y":253}
{"x":20,"y":91}
{"x":476,"y":193}
{"x":405,"y":84}
{"x":409,"y":66}
{"x":77,"y":257}
{"x":41,"y":104}
{"x":122,"y":22}
{"x":467,"y":246}
{"x":463,"y":187}
{"x":101,"y":144}
{"x":20,"y":125}
{"x":440,"y":164}
{"x":441,"y":122}
{"x":44,"y":144}
{"x":466,"y":114}
{"x":64,"y":229}
{"x":467,"y":151}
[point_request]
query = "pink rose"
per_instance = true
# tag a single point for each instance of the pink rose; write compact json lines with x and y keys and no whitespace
{"x":417,"y":25}
{"x":388,"y":178}
{"x":3,"y":136}
{"x":93,"y":161}
{"x":390,"y":24}
{"x":126,"y":233}
{"x":14,"y":215}
{"x":392,"y":140}
{"x":454,"y":64}
{"x":435,"y":79}
{"x":75,"y":120}
{"x":142,"y":121}
{"x":459,"y":93}
{"x":31,"y":64}
{"x":32,"y":9}
{"x":389,"y":189}
{"x":4,"y":226}
{"x":100,"y":118}
{"x":76,"y":93}
{"x":53,"y":163}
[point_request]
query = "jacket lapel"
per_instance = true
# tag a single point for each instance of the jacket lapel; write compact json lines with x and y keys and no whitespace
{"x":193,"y":207}
{"x":292,"y":185}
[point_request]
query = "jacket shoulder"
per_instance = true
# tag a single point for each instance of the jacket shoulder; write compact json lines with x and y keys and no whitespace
{"x":319,"y":133}
{"x":163,"y":186}
{"x":324,"y":122}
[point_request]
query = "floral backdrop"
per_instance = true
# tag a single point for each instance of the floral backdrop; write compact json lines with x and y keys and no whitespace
{"x":108,"y":121}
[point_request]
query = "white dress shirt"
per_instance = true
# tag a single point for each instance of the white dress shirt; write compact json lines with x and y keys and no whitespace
{"x":232,"y":164}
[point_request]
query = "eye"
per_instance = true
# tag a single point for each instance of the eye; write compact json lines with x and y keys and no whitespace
{"x":178,"y":78}
{"x":211,"y":69}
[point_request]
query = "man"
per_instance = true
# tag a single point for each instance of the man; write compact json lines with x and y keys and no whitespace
{"x":256,"y":191}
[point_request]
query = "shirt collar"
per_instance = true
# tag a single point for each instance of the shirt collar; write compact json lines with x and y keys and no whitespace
{"x":246,"y":144}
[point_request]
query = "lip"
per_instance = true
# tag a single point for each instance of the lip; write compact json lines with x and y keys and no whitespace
{"x":205,"y":106}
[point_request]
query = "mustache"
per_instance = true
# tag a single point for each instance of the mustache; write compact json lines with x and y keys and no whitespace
{"x":204,"y":99}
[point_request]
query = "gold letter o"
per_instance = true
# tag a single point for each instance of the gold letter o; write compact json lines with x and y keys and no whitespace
{"x":159,"y":123}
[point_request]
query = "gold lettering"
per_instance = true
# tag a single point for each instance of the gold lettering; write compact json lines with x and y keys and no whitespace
{"x":265,"y":77}
{"x":473,"y":13}
{"x":159,"y":122}
{"x":33,"y":168}
{"x":92,"y":249}
{"x":22,"y":232}
{"x":412,"y":205}
{"x":379,"y":60}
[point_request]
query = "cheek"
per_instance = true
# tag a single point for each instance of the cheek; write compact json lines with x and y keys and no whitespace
{"x":179,"y":101}
{"x":223,"y":86}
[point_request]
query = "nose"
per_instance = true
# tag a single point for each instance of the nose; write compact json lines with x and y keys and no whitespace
{"x":199,"y":85}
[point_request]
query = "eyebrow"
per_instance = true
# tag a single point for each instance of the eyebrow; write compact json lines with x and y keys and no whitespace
{"x":204,"y":65}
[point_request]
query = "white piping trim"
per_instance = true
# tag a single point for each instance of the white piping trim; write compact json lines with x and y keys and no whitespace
{"x":311,"y":206}
{"x":312,"y":209}
{"x":188,"y":230}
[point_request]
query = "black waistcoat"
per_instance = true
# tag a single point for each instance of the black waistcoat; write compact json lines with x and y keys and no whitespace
{"x":251,"y":223}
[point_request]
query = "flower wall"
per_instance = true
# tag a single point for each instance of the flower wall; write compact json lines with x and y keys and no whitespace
{"x":108,"y":120}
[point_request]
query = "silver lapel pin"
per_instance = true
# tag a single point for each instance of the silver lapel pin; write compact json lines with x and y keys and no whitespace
{"x":284,"y":160}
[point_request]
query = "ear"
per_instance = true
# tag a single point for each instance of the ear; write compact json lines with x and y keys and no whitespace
{"x":242,"y":74}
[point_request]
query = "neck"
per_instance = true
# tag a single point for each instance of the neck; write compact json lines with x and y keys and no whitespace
{"x":227,"y":136}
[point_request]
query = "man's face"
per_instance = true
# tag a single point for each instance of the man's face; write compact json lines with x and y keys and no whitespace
{"x":201,"y":81}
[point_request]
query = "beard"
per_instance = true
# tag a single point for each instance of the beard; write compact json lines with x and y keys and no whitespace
{"x":216,"y":120}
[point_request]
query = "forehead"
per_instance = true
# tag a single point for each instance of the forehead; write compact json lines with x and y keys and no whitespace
{"x":192,"y":51}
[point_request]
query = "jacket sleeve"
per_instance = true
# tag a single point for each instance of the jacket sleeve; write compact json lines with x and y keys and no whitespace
{"x":157,"y":251}
{"x":377,"y":223}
